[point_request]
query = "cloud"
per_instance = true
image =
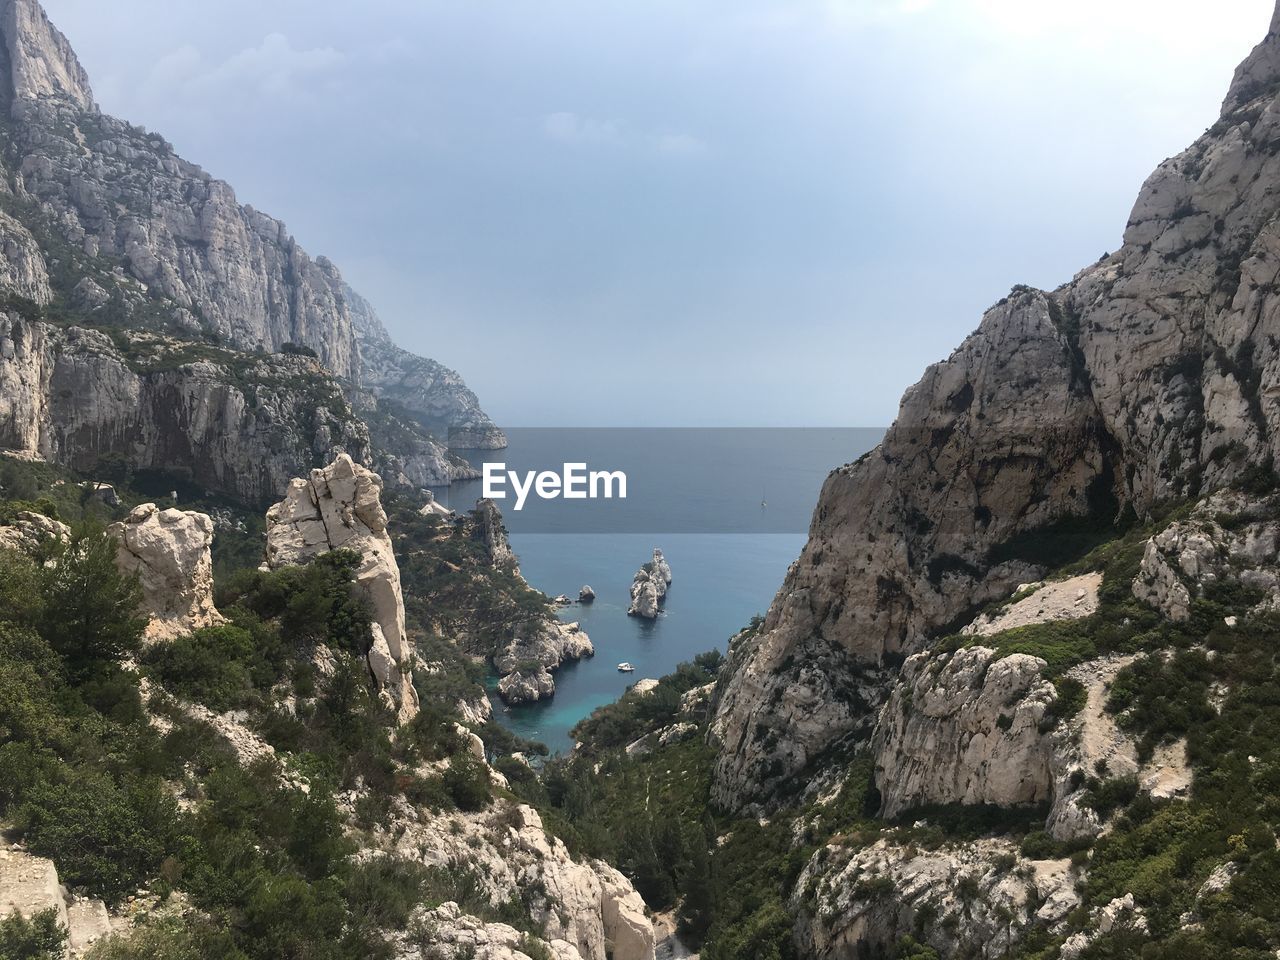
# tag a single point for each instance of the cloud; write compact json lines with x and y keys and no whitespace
{"x":274,"y":68}
{"x":571,"y":128}
{"x":679,"y":144}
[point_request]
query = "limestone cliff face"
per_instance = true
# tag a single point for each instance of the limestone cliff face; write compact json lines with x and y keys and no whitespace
{"x":140,"y":238}
{"x":435,"y":395}
{"x":1153,"y":374}
{"x":1000,"y":438}
{"x":40,"y":61}
{"x":237,"y":424}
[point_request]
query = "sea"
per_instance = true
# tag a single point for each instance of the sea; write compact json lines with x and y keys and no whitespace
{"x":729,"y":508}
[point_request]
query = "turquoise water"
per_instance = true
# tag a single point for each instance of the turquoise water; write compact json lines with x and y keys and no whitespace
{"x":719,"y":582}
{"x":694,"y":493}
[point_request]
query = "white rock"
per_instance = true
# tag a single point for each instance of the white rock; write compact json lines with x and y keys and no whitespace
{"x":169,"y":552}
{"x":340,"y":508}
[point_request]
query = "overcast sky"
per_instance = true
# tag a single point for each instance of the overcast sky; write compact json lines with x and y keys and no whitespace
{"x":654,"y":212}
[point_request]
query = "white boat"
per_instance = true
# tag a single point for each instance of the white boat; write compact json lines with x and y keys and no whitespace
{"x":625,"y":667}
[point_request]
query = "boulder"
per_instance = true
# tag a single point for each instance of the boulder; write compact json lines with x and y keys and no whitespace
{"x":527,"y":686}
{"x":28,"y":530}
{"x":169,"y":552}
{"x":340,"y":508}
{"x":586,"y":594}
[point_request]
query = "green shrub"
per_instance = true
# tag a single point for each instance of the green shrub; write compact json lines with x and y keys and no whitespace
{"x":40,"y":938}
{"x":90,"y":610}
{"x":214,"y":666}
{"x":110,"y":837}
{"x":167,"y":940}
{"x":467,"y":783}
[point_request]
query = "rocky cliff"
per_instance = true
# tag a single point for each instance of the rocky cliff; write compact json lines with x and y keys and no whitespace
{"x":104,"y":225}
{"x":432,"y":393}
{"x":1151,"y":376}
{"x":232,"y":422}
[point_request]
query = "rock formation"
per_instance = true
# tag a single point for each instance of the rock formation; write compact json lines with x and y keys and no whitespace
{"x":238,"y":425}
{"x":1191,"y":555}
{"x":29,"y":885}
{"x":527,"y":684}
{"x":432,"y":393}
{"x":969,"y":900}
{"x":1150,"y":376}
{"x":340,"y":507}
{"x":431,"y":507}
{"x":492,"y":533}
{"x":649,"y":588}
{"x":590,"y":911}
{"x":28,"y":530}
{"x":965,"y":728}
{"x":526,"y":663}
{"x":168,"y":550}
{"x":586,"y":594}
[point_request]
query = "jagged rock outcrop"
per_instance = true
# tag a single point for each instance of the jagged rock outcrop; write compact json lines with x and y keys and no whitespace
{"x":586,"y":906}
{"x":234,"y":424}
{"x":526,"y":663}
{"x":28,"y":530}
{"x":527,"y":685}
{"x":340,"y":507}
{"x":29,"y":885}
{"x":460,"y":935}
{"x":1120,"y":913}
{"x":432,"y":507}
{"x":586,"y":594}
{"x":1230,"y":538}
{"x":1154,"y":374}
{"x":972,"y":727}
{"x":649,"y":588}
{"x":965,"y":728}
{"x":23,"y":270}
{"x":169,"y":552}
{"x":976,"y":899}
{"x":492,"y":533}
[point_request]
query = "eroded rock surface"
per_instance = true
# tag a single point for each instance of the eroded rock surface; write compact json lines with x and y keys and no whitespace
{"x":586,"y":906}
{"x":340,"y":507}
{"x":28,"y":530}
{"x":976,"y":899}
{"x":527,"y":662}
{"x":169,"y":552}
{"x":649,"y":588}
{"x":965,"y":728}
{"x":30,"y":884}
{"x":1070,"y":599}
{"x":1229,"y":538}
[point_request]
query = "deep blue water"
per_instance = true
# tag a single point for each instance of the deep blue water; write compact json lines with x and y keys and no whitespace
{"x":720,"y":580}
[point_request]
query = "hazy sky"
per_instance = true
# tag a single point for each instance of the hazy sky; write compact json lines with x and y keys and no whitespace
{"x":689,"y":212}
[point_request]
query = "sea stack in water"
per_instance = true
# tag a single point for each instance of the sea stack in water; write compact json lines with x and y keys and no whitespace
{"x":649,"y":588}
{"x":586,"y":594}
